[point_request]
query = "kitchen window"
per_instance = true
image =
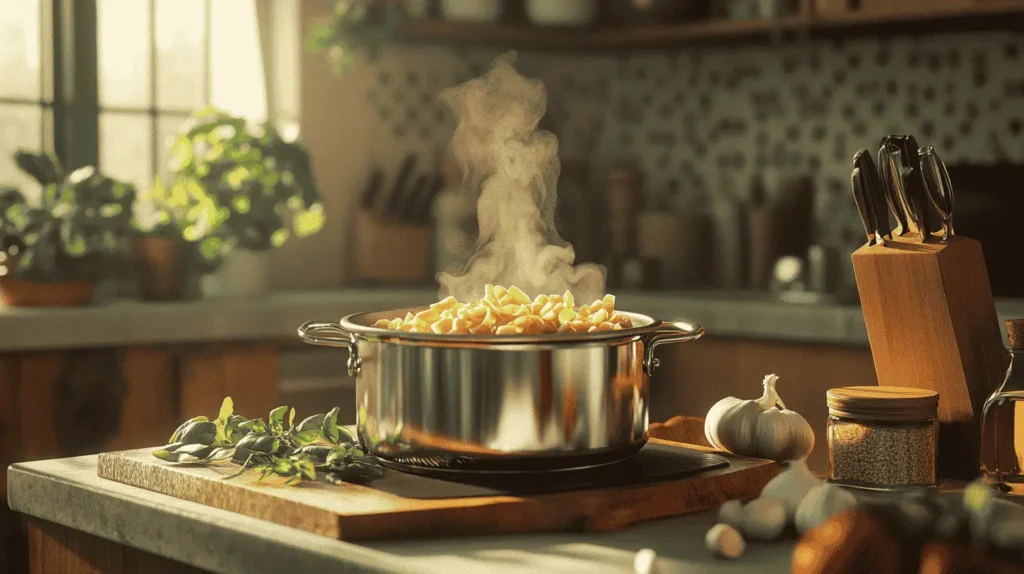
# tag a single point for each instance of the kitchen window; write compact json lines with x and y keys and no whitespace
{"x":109,"y":82}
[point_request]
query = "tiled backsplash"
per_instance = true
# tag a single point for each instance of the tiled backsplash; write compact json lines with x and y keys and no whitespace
{"x":689,"y":116}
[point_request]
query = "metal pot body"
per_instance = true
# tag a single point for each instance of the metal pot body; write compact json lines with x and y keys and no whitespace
{"x":500,"y":407}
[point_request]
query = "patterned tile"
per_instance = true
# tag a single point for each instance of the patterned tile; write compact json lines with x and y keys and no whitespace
{"x":688,"y":116}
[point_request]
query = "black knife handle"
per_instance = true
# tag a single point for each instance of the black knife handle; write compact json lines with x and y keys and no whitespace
{"x":939,"y":188}
{"x":913,"y":186}
{"x":892,"y":186}
{"x":863,"y":207}
{"x":874,"y":192}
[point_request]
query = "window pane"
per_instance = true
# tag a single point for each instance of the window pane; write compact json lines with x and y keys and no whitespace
{"x":166,"y":130}
{"x":19,"y":49}
{"x":126,"y":147}
{"x":181,"y":58}
{"x":124,"y":53}
{"x":20,"y":127}
{"x":236,"y":65}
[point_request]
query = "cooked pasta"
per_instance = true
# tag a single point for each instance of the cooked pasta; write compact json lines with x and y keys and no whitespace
{"x":511,"y":312}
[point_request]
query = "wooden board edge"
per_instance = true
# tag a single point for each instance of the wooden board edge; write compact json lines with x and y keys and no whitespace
{"x":215,"y":494}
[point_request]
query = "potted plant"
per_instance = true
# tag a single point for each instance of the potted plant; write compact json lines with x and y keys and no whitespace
{"x":358,"y":26}
{"x":161,"y":216}
{"x":249,"y":190}
{"x":56,"y":248}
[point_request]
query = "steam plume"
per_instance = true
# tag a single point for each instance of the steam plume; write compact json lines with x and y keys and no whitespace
{"x":515,"y":167}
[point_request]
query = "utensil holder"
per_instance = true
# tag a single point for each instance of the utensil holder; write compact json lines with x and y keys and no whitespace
{"x":391,"y":252}
{"x":931,"y":323}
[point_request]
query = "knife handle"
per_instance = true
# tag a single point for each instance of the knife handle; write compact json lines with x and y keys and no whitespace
{"x":863,"y":207}
{"x":892,"y":187}
{"x":939,"y":188}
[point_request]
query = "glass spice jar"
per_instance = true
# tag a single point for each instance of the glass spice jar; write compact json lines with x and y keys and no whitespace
{"x":882,"y":437}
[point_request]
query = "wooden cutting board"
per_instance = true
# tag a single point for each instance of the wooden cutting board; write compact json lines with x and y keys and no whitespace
{"x":353,"y":512}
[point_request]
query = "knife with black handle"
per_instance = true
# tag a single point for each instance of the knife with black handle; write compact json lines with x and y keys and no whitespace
{"x":406,"y":212}
{"x":892,"y":186}
{"x":864,"y":208}
{"x":372,"y":189}
{"x":387,"y":208}
{"x":874,"y":193}
{"x":918,"y":204}
{"x":939,"y":187}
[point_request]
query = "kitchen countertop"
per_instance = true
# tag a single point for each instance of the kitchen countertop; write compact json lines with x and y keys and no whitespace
{"x":276,"y":316}
{"x":68,"y":492}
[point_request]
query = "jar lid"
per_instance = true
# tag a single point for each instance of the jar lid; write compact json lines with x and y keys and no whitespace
{"x":1015,"y":333}
{"x":883,"y":403}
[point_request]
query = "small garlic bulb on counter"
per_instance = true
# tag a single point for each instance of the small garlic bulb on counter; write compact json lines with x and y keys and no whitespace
{"x":791,"y":486}
{"x":762,"y":427}
{"x":725,"y":541}
{"x":645,"y":562}
{"x":821,"y":503}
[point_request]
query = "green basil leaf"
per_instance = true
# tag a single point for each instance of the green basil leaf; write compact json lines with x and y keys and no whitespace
{"x":199,"y":432}
{"x":329,"y":427}
{"x":277,"y":415}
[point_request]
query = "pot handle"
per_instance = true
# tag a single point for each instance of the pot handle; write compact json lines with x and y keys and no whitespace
{"x":328,"y":334}
{"x":670,"y":332}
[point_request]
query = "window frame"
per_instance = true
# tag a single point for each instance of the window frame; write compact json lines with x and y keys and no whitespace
{"x":69,"y":77}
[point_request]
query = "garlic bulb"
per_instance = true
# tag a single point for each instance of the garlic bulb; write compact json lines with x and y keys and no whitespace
{"x":731,"y":513}
{"x":821,"y":503}
{"x":645,"y":562}
{"x":791,"y":486}
{"x":764,"y":519}
{"x":760,"y":427}
{"x":725,"y":541}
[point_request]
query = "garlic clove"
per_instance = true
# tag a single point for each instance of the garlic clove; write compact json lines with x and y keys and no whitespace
{"x":821,"y":503}
{"x":801,"y":436}
{"x":736,"y":431}
{"x":731,"y":513}
{"x":725,"y":541}
{"x":645,"y":562}
{"x":772,"y":434}
{"x":714,"y":417}
{"x":764,"y":519}
{"x":791,"y":485}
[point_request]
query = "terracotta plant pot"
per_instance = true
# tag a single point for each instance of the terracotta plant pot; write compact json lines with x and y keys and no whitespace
{"x":19,"y":293}
{"x":161,"y":264}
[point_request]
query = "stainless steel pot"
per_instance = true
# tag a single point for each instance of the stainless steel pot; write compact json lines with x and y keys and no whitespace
{"x":499,"y":403}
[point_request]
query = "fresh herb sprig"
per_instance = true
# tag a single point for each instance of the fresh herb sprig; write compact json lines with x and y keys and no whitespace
{"x":270,"y":448}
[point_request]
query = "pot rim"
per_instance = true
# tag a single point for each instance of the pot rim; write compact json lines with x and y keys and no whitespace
{"x":351,"y":328}
{"x":361,"y":324}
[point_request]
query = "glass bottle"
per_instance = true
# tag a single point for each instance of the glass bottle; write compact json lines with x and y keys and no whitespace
{"x":1002,"y":422}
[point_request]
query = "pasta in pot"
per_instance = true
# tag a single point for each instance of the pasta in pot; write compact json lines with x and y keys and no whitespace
{"x":511,"y":312}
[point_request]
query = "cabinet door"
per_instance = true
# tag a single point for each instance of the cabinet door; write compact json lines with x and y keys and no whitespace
{"x":246,"y":373}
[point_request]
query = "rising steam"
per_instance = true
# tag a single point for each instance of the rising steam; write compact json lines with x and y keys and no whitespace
{"x":515,"y":167}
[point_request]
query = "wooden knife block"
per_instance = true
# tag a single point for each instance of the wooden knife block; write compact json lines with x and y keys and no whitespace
{"x":932,"y":324}
{"x":390,"y":252}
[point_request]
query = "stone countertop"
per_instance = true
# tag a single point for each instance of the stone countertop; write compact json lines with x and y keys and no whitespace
{"x":68,"y":492}
{"x":276,"y":317}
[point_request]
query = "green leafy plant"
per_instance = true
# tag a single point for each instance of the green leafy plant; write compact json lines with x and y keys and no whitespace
{"x":168,"y":210}
{"x":357,"y":27}
{"x":273,"y":447}
{"x":74,"y":229}
{"x":237,"y":186}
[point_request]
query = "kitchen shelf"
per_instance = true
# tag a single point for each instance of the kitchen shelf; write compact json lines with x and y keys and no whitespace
{"x":986,"y":15}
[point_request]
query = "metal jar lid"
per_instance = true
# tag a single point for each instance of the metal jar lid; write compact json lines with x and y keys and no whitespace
{"x":883,"y":403}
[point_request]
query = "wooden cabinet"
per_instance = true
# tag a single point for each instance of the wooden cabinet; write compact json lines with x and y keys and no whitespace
{"x":67,"y":403}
